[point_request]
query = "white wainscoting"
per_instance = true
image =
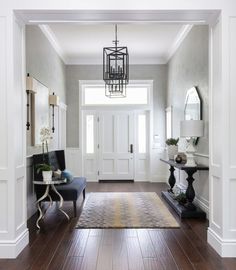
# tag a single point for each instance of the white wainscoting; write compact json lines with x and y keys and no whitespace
{"x":31,"y":197}
{"x":159,"y":170}
{"x":74,"y":161}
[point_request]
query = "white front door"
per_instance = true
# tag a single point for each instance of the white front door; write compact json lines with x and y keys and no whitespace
{"x":116,"y":145}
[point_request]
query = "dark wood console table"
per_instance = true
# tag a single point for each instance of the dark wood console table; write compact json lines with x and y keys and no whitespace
{"x":189,"y":210}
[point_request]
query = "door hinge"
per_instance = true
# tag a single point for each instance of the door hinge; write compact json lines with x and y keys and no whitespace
{"x":98,"y":172}
{"x":98,"y":119}
{"x":98,"y":146}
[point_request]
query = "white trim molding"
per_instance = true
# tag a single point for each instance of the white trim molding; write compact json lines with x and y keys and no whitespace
{"x":11,"y":248}
{"x":179,"y":39}
{"x":225,"y":248}
{"x":46,"y":30}
{"x":49,"y":34}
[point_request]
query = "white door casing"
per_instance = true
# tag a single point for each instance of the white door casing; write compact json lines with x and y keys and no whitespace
{"x":116,"y":141}
{"x":106,"y":147}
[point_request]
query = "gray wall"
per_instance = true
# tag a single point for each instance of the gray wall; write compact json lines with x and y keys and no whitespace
{"x":44,"y":64}
{"x":189,"y":67}
{"x":157,"y":73}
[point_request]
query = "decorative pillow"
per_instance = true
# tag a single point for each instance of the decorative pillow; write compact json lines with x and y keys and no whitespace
{"x":67,"y":175}
{"x":57,"y":174}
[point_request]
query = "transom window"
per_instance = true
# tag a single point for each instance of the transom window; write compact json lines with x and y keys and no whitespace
{"x":94,"y":94}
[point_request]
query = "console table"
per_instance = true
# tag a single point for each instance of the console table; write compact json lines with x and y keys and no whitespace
{"x":47,"y":185}
{"x":189,"y":210}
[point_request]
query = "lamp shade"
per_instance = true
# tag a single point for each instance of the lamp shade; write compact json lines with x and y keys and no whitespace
{"x":54,"y":100}
{"x":31,"y":84}
{"x":191,"y":128}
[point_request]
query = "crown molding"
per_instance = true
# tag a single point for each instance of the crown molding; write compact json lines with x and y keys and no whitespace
{"x":53,"y":41}
{"x":185,"y":29}
{"x":97,"y":61}
{"x":133,"y":61}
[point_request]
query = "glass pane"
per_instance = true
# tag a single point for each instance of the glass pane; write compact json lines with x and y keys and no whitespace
{"x":142,"y":133}
{"x":89,"y":134}
{"x":95,"y":95}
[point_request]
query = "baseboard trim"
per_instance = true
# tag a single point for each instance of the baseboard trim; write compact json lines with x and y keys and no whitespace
{"x":202,"y":205}
{"x":116,"y":181}
{"x":159,"y":178}
{"x":12,"y":248}
{"x":225,"y":248}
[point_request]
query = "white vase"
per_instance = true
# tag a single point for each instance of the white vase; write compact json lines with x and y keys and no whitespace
{"x":47,"y":176}
{"x":172,"y":150}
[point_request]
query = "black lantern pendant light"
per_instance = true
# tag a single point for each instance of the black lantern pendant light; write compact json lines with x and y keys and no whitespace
{"x":115,"y":69}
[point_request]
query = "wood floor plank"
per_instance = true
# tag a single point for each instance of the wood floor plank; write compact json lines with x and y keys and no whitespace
{"x":72,"y":263}
{"x":119,"y":251}
{"x":130,"y":232}
{"x":163,"y":253}
{"x":104,"y":261}
{"x":89,"y":261}
{"x":70,"y":239}
{"x":107,"y":237}
{"x":204,"y":249}
{"x":146,"y":244}
{"x":153,"y":264}
{"x":180,"y":257}
{"x":78,"y":247}
{"x":135,"y":259}
{"x":48,"y":252}
{"x":191,"y":252}
{"x":96,"y":232}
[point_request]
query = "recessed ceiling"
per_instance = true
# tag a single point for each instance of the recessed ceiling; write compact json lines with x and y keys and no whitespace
{"x":148,"y":43}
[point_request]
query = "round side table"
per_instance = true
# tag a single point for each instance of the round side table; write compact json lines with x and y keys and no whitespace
{"x":46,"y":194}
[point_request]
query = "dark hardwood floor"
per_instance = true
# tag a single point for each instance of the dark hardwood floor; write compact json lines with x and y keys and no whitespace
{"x":59,"y":246}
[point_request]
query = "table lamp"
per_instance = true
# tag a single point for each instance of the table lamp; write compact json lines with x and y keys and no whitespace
{"x":191,"y":129}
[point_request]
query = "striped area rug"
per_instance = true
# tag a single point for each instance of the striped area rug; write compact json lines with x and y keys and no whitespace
{"x":125,"y":210}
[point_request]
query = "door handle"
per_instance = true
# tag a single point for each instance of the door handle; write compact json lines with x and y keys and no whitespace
{"x":131,"y":148}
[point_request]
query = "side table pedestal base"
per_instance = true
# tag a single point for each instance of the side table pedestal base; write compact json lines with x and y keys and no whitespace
{"x":182,"y":211}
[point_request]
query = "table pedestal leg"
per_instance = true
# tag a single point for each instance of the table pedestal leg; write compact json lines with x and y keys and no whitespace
{"x":39,"y":208}
{"x":190,"y":193}
{"x":61,"y":201}
{"x":171,"y":179}
{"x":50,"y":204}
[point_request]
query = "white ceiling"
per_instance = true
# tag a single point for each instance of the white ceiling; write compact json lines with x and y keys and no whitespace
{"x":148,"y":43}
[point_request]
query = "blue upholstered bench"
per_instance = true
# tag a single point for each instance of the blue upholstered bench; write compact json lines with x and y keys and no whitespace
{"x":70,"y":191}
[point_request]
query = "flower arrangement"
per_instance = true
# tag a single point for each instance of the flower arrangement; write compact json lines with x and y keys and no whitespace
{"x":45,"y":137}
{"x":45,"y":168}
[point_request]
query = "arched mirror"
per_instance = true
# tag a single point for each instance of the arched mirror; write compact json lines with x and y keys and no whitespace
{"x":193,"y":106}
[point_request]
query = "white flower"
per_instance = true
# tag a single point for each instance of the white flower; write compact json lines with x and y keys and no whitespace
{"x":45,"y":134}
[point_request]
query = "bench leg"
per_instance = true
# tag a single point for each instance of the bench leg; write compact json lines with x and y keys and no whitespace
{"x":84,"y":194}
{"x":75,"y":210}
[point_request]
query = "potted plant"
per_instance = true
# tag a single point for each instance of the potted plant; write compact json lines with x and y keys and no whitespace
{"x":172,"y":147}
{"x":46,"y":171}
{"x":181,"y":198}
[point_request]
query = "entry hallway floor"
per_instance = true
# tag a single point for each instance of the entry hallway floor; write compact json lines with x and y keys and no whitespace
{"x":59,"y":246}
